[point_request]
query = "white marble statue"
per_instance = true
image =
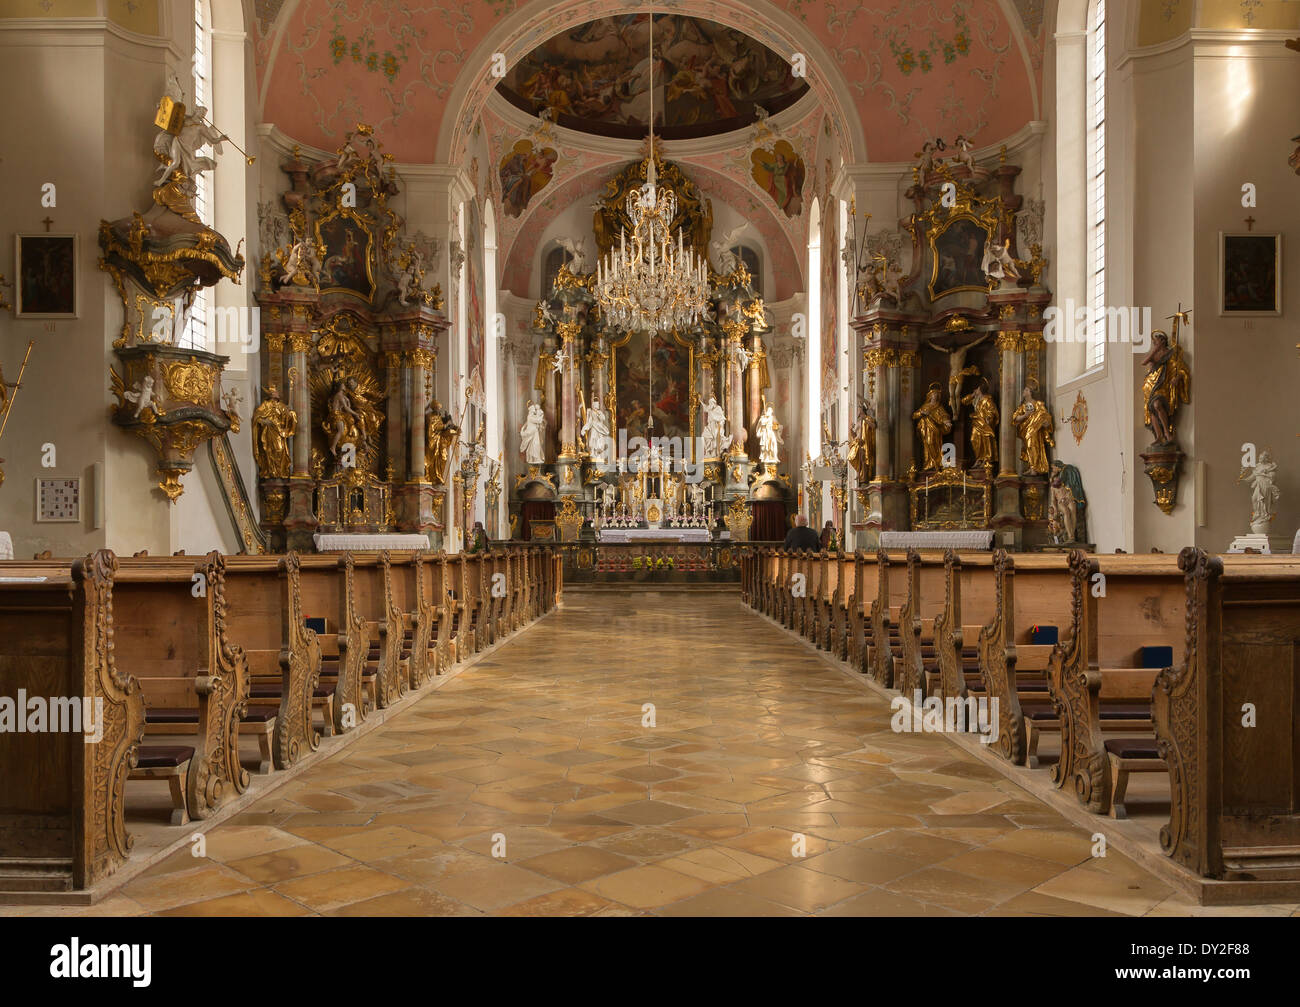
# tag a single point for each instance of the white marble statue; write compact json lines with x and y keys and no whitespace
{"x":577,"y":249}
{"x":998,"y":264}
{"x":181,"y":149}
{"x":696,"y":491}
{"x":141,"y":395}
{"x":724,"y":259}
{"x":595,"y":430}
{"x":769,"y":437}
{"x":1264,"y":492}
{"x":302,"y":265}
{"x":231,"y":399}
{"x":716,"y":439}
{"x":533,"y":435}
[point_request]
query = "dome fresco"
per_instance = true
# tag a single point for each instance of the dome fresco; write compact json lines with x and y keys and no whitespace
{"x":708,"y":78}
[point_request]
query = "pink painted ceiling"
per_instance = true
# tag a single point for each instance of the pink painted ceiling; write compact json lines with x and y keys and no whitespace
{"x":911,"y":69}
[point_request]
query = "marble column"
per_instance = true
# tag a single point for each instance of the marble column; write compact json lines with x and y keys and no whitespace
{"x":754,"y":404}
{"x":568,"y":332}
{"x":299,"y":395}
{"x":736,"y":389}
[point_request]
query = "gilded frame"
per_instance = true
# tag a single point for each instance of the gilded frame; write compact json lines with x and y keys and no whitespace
{"x":367,"y":227}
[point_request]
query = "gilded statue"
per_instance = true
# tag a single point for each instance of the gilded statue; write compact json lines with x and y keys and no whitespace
{"x":862,"y":447}
{"x":441,"y":433}
{"x":932,"y":423}
{"x":1035,"y":426}
{"x":983,"y":425}
{"x":273,"y":424}
{"x":1168,"y":383}
{"x":344,"y":421}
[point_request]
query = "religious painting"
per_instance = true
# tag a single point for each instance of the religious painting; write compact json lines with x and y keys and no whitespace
{"x":780,"y":172}
{"x":669,"y":398}
{"x":474,"y":286}
{"x":958,"y":255}
{"x":707,"y":78}
{"x":525,"y":171}
{"x":46,"y":276}
{"x":349,"y":254}
{"x":1250,"y":274}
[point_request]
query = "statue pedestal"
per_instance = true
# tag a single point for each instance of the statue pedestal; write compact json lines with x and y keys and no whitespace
{"x":1260,"y":542}
{"x":738,"y":470}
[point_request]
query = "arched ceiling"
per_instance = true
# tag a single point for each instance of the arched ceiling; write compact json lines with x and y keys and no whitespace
{"x":908,"y":69}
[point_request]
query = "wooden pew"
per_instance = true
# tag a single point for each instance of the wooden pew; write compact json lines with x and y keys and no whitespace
{"x":1234,"y":789}
{"x":264,"y":602}
{"x":62,"y":808}
{"x":845,"y":574}
{"x":436,"y":590}
{"x":1097,"y":685}
{"x":414,"y":615}
{"x":865,"y":586}
{"x":923,"y":601}
{"x":970,"y":603}
{"x":384,"y":678}
{"x":328,"y":593}
{"x":172,"y":634}
{"x":1030,"y":589}
{"x":888,"y":600}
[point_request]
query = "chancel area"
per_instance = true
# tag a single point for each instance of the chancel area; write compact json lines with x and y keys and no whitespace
{"x":708,"y":458}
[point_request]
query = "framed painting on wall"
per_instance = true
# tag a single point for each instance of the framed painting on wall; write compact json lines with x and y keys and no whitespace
{"x":1250,"y":274}
{"x":46,"y":270}
{"x":58,"y":500}
{"x":957,"y":253}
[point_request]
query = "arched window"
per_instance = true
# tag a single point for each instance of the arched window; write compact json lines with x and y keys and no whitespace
{"x":1096,"y":255}
{"x":813,"y":377}
{"x":551,"y":264}
{"x":749,"y":255}
{"x":196,"y":335}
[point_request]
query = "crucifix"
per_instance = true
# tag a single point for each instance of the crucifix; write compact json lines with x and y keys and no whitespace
{"x":1250,"y":223}
{"x":47,"y":222}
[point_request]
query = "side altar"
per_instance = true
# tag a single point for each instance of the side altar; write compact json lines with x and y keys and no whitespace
{"x":348,"y":355}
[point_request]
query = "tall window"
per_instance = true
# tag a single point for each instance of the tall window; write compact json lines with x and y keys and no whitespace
{"x":195,"y":335}
{"x":1097,"y":183}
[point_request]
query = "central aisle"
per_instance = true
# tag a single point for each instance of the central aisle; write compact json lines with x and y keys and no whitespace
{"x":541,"y":747}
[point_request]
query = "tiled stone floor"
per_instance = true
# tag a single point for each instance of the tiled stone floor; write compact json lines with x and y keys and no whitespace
{"x":529,"y":786}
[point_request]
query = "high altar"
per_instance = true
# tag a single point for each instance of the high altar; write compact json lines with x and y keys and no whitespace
{"x":605,"y":449}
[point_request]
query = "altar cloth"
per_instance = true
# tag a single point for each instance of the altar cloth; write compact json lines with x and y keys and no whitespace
{"x":958,"y":539}
{"x":657,"y":534}
{"x":360,"y":542}
{"x":6,"y":546}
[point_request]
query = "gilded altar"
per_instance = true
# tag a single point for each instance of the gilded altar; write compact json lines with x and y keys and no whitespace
{"x":349,"y":355}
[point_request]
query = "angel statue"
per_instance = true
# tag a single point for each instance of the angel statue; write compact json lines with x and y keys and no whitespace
{"x":142,"y":396}
{"x":1035,"y":426}
{"x":932,"y":423}
{"x":725,"y":259}
{"x":179,"y":151}
{"x":1264,"y":492}
{"x":1168,"y":383}
{"x":273,"y":424}
{"x":998,"y":263}
{"x":1066,"y":505}
{"x":302,"y":265}
{"x":577,"y":249}
{"x":963,"y":154}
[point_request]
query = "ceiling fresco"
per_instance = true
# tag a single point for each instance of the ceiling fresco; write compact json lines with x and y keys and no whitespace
{"x":908,"y":70}
{"x":707,"y":78}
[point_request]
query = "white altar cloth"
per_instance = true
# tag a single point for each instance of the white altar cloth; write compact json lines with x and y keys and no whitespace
{"x":359,"y":542}
{"x":6,"y":546}
{"x":640,"y":534}
{"x":964,"y":539}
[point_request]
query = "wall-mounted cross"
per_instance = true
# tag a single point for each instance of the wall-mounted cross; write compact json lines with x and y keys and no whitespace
{"x":47,"y":222}
{"x":1250,"y":223}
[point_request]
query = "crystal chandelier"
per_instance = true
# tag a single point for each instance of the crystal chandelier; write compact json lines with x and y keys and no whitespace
{"x":648,"y":282}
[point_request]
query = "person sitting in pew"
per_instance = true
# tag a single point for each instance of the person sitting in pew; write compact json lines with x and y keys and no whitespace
{"x":801,"y":536}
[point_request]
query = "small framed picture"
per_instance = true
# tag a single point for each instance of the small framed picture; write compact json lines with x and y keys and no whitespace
{"x":1250,"y":274}
{"x":46,"y":276}
{"x":58,"y":500}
